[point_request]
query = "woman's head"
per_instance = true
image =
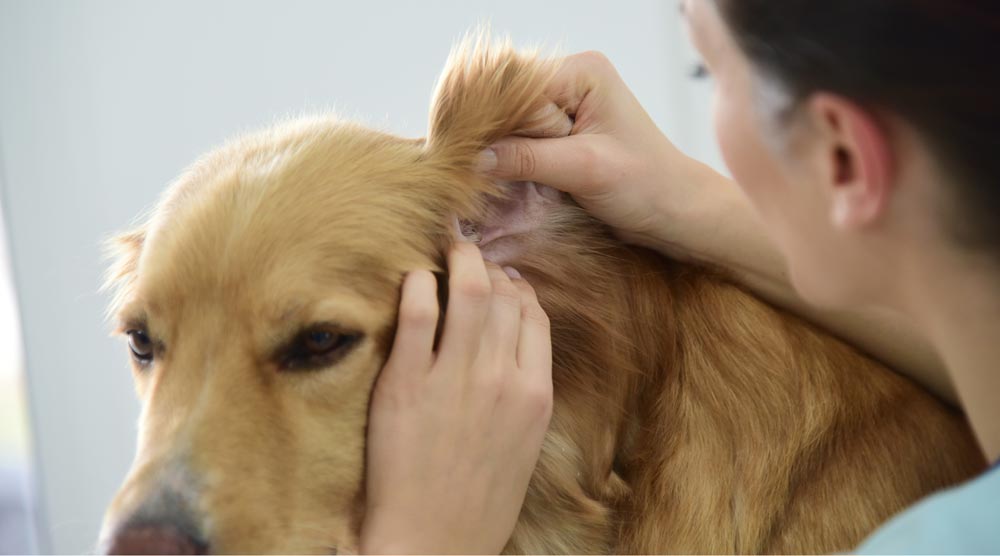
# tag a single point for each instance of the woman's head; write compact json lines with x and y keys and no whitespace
{"x":859,"y":128}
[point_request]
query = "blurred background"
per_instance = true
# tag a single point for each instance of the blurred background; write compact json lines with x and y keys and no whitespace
{"x":103,"y":102}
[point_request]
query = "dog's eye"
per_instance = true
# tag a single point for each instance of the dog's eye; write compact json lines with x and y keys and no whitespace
{"x":141,"y":346}
{"x":316,"y":348}
{"x":319,"y":342}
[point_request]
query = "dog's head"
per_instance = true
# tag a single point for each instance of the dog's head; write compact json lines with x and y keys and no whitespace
{"x":259,"y":302}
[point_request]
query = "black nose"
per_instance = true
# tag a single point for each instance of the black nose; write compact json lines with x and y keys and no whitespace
{"x":154,"y":539}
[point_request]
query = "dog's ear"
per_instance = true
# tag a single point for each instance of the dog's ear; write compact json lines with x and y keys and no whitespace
{"x":123,"y":250}
{"x":488,"y":91}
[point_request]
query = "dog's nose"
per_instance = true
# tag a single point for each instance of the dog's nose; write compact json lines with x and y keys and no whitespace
{"x":164,"y":522}
{"x":154,"y":539}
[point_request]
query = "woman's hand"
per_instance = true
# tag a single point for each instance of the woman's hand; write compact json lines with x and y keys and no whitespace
{"x":615,"y":162}
{"x":454,"y":436}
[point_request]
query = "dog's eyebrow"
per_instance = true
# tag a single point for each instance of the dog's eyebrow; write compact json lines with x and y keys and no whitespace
{"x":290,"y":311}
{"x":129,"y":320}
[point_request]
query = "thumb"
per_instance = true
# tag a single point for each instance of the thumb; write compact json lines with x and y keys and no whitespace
{"x":576,"y":164}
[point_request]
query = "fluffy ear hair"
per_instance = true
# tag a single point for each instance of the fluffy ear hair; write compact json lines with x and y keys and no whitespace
{"x":487,"y":91}
{"x":123,"y":251}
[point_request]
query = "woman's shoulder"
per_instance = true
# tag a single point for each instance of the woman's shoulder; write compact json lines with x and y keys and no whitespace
{"x":963,"y":519}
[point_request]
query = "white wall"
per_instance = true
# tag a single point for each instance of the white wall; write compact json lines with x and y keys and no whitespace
{"x":17,"y":513}
{"x":102,"y":103}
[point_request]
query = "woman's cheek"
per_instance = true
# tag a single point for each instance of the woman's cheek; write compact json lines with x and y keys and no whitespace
{"x":753,"y":166}
{"x":737,"y":142}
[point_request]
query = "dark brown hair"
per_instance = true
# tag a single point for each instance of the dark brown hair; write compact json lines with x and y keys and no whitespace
{"x":932,"y":62}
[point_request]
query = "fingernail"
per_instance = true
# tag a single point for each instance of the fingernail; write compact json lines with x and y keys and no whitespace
{"x":512,"y":272}
{"x":487,"y":160}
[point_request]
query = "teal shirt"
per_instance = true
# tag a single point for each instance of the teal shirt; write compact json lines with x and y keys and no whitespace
{"x":961,"y":520}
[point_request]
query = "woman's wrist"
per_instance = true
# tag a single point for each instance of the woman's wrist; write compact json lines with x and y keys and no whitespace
{"x":705,"y":218}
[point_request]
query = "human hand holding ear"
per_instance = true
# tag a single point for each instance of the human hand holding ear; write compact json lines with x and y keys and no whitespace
{"x":454,"y":435}
{"x":614,"y":161}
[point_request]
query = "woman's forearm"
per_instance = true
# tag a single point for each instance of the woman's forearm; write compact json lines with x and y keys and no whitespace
{"x":720,"y":228}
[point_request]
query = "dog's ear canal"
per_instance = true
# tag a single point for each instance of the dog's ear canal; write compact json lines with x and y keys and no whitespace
{"x":442,"y":296}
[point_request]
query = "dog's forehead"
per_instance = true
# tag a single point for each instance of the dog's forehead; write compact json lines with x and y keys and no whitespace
{"x":312,"y":206}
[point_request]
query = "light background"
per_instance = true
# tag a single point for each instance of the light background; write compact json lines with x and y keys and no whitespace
{"x":102,"y":103}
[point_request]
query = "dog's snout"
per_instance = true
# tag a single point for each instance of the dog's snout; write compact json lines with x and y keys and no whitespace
{"x":164,"y":523}
{"x":155,"y":539}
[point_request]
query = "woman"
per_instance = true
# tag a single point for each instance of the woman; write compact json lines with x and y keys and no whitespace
{"x":862,"y":135}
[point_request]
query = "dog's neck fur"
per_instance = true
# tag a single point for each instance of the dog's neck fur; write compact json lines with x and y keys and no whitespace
{"x":613,"y":300}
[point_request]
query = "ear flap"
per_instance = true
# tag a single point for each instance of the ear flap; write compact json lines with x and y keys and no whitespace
{"x":123,"y":250}
{"x":487,"y":91}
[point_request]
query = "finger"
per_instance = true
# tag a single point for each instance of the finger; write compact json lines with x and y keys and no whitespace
{"x":503,"y":322}
{"x":412,"y":348}
{"x":469,"y":292}
{"x":549,"y":121}
{"x":578,"y":164}
{"x":578,"y":75}
{"x":534,"y":346}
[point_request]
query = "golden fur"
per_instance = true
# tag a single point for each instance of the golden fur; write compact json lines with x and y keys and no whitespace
{"x":689,"y":416}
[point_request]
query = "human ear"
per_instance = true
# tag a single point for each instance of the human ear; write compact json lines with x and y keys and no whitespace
{"x":858,"y":166}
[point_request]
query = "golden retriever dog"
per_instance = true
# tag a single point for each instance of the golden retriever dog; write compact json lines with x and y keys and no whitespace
{"x":259,"y":300}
